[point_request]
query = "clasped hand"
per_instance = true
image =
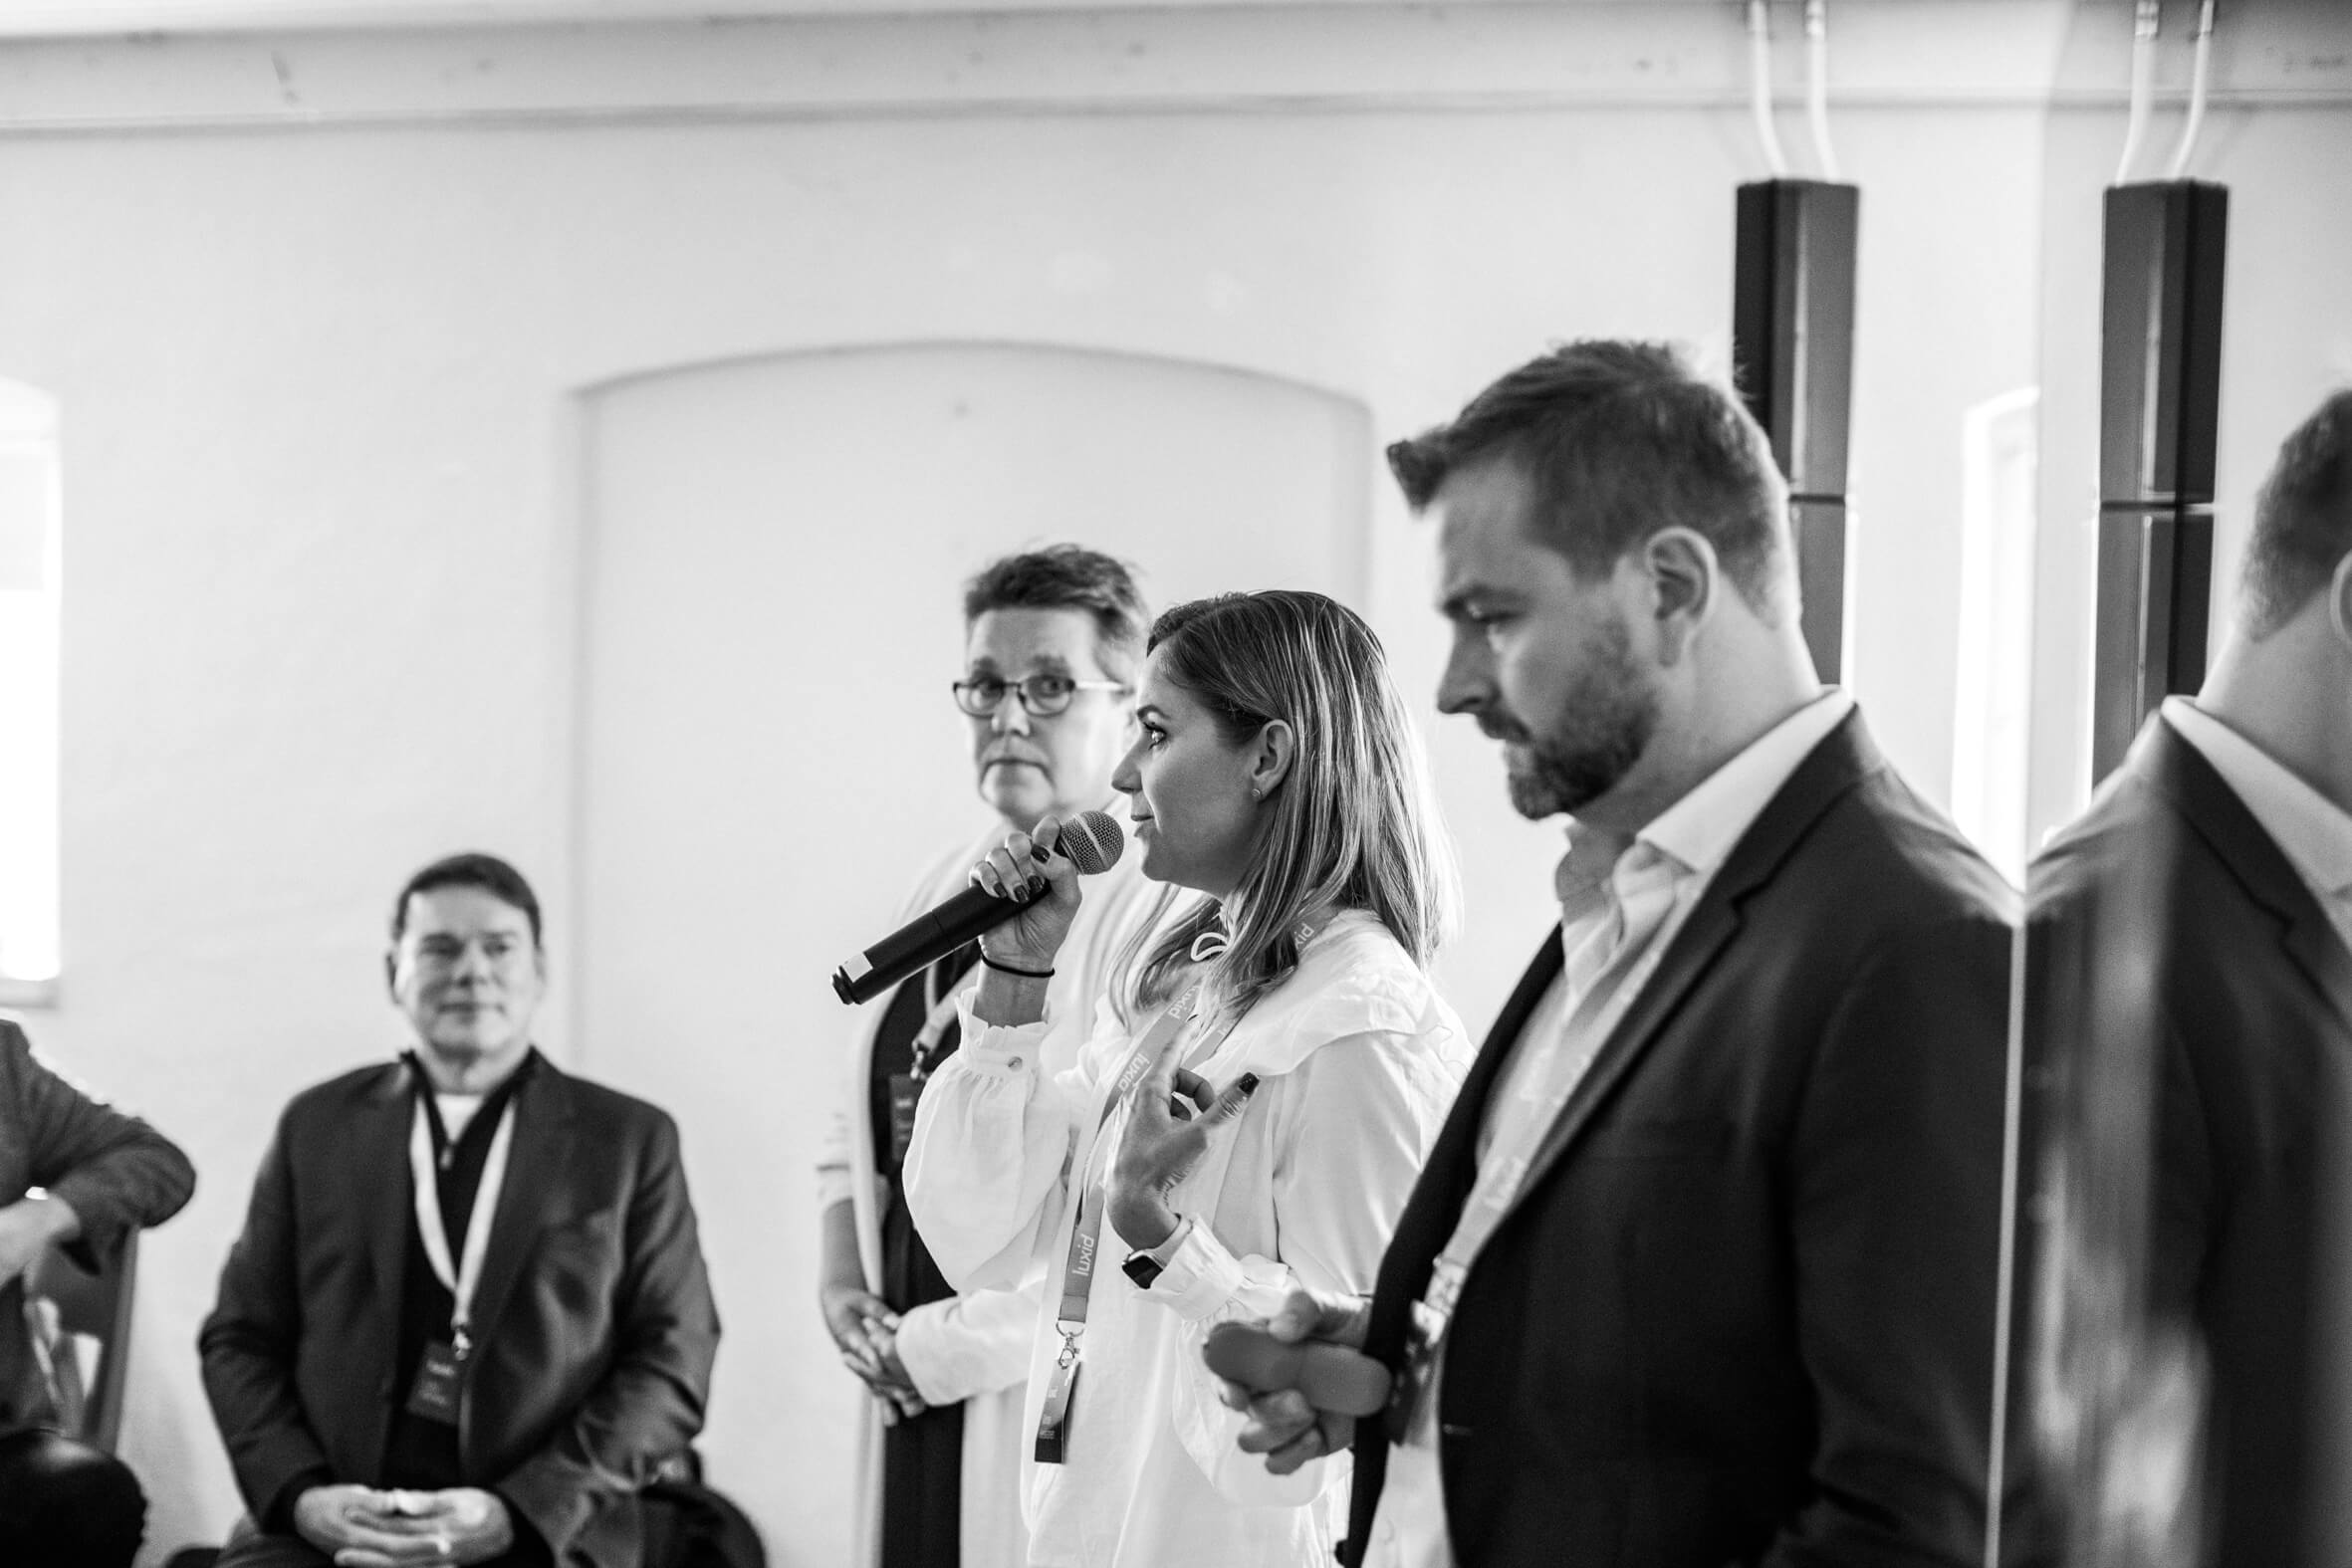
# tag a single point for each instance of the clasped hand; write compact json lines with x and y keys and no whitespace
{"x":1282,"y":1425}
{"x":865,"y":1331}
{"x":363,"y":1527}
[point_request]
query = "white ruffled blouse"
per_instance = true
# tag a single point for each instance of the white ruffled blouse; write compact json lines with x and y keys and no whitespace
{"x":1357,"y":1059}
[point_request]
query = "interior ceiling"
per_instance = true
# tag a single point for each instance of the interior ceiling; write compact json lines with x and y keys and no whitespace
{"x":70,"y":17}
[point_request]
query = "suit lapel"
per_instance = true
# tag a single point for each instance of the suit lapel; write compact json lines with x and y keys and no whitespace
{"x":1836,"y":765}
{"x":378,"y":1164}
{"x":2179,"y":773}
{"x":533,"y":1196}
{"x":1451,"y":1168}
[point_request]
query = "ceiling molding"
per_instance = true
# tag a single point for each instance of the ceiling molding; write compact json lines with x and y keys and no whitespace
{"x":1370,"y":54}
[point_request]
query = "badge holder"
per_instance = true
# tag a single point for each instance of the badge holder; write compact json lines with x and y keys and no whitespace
{"x":440,"y":1379}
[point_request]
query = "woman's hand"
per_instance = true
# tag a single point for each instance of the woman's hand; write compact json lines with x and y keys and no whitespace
{"x":850,"y":1313}
{"x":1162,"y":1142}
{"x":1023,"y":869}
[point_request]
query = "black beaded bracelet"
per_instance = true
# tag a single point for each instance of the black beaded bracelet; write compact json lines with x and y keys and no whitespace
{"x":1006,"y":968}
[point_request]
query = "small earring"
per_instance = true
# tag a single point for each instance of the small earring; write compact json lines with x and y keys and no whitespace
{"x":1256,"y":791}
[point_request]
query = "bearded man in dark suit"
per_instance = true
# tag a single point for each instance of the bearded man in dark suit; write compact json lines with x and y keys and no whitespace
{"x":468,"y":1318}
{"x":1703,"y":1267}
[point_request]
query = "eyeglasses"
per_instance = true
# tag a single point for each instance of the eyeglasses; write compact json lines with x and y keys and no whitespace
{"x":1040,"y":695}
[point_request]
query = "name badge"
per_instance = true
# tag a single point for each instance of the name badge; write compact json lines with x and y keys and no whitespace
{"x":1053,"y":1422}
{"x":1428,"y":1331}
{"x":440,"y":1373}
{"x":906,"y":1093}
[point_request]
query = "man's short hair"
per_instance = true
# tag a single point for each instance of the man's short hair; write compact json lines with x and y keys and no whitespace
{"x":2303,"y":519}
{"x":472,"y":869}
{"x":1619,"y":440}
{"x":1068,"y":576}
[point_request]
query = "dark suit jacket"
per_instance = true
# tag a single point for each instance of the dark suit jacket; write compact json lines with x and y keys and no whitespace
{"x":2192,"y":1008}
{"x":596,"y":1322}
{"x":115,"y":1171}
{"x":1743,"y":1310}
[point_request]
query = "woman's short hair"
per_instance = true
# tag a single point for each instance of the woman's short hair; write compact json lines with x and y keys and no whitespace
{"x":1068,"y":576}
{"x":2302,"y":520}
{"x":1353,"y":823}
{"x":1619,"y":440}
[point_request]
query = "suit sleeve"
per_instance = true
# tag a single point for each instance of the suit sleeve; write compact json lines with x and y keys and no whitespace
{"x":649,"y":1404}
{"x":248,"y":1346}
{"x":117,"y":1173}
{"x":1895,"y":1204}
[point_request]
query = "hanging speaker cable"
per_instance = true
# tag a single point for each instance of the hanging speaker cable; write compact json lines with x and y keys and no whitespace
{"x":2144,"y":26}
{"x":1817,"y":84}
{"x":2199,"y":78}
{"x":1760,"y":85}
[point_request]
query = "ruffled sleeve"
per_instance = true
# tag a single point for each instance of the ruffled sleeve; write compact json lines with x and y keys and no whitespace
{"x":985,"y":1175}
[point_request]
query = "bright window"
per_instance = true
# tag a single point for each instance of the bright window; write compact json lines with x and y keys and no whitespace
{"x":29,"y":623}
{"x":1992,"y":705}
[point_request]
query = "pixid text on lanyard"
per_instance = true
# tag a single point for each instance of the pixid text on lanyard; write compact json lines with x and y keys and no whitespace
{"x":462,"y":1277}
{"x":1086,"y":1235}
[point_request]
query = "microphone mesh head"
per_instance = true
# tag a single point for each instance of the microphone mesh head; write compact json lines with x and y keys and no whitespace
{"x":1092,"y":842}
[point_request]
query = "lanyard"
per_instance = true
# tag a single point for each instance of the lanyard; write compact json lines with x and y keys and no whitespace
{"x":1085,"y":1234}
{"x":462,"y":1279}
{"x":1503,"y":1169}
{"x":944,"y":1002}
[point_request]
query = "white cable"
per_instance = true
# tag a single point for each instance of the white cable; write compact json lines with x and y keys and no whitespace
{"x":1760,"y":85}
{"x":1817,"y":83}
{"x":2196,"y":85}
{"x":2144,"y":28}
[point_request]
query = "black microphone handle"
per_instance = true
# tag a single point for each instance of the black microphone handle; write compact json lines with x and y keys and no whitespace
{"x":921,"y":942}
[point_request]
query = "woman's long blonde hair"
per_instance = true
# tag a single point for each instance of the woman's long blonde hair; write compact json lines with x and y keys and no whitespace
{"x":1353,"y":823}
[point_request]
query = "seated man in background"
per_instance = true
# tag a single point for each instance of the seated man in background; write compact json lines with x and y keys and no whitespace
{"x":468,"y":1318}
{"x":101,"y":1173}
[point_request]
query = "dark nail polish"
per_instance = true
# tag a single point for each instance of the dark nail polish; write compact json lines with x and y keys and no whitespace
{"x":1248,"y":1082}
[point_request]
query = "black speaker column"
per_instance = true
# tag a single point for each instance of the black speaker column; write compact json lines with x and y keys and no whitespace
{"x":2160,"y":387}
{"x":1792,"y":352}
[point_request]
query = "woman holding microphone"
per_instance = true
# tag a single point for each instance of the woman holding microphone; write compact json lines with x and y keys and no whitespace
{"x":1266,"y":1074}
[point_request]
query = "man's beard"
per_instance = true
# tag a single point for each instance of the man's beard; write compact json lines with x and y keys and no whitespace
{"x":1601,"y":732}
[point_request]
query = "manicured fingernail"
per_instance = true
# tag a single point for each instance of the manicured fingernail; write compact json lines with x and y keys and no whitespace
{"x":1248,"y":1082}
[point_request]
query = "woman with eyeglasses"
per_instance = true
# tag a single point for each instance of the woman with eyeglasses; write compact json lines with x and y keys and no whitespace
{"x":1052,"y":638}
{"x":1266,"y":1072}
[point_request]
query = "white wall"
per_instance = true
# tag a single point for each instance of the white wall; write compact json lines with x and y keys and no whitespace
{"x":323,"y":472}
{"x":2286,"y":342}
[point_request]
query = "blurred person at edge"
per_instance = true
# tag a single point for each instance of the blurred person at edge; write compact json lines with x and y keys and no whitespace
{"x":100,"y":1173}
{"x":1277,"y":775}
{"x":2191,"y":965}
{"x":1052,"y":641}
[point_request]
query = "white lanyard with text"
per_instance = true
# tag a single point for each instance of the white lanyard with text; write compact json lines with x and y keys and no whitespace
{"x":463,"y":1278}
{"x":1086,"y":1235}
{"x":1503,"y":1170}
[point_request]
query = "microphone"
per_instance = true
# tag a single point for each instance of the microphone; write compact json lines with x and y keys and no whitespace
{"x":1092,"y":841}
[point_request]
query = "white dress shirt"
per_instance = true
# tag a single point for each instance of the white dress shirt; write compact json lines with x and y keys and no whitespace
{"x":1358,"y":1061}
{"x":2312,"y":831}
{"x":1687,"y":842}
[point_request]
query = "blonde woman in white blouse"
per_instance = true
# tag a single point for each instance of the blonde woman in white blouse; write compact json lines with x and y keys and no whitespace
{"x":1259,"y":1089}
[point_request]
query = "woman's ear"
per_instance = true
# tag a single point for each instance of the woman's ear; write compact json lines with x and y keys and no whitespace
{"x":1270,"y":754}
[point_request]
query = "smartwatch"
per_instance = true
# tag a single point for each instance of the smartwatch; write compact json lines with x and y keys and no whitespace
{"x":1144,"y":1267}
